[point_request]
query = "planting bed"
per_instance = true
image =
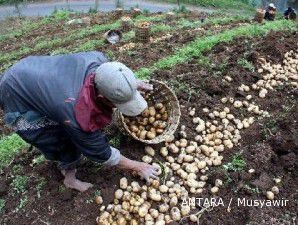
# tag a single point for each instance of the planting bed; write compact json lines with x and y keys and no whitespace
{"x":269,"y":146}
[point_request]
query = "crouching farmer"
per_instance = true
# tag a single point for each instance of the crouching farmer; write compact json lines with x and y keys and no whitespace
{"x":60,"y":104}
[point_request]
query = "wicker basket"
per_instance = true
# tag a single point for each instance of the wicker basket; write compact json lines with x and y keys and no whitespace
{"x":162,"y":93}
{"x":259,"y":17}
{"x":143,"y":34}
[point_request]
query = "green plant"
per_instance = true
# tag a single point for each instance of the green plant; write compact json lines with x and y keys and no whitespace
{"x":41,"y":183}
{"x":160,"y":28}
{"x":16,"y":169}
{"x":9,"y":146}
{"x":2,"y":204}
{"x":61,"y":188}
{"x":19,"y":184}
{"x":92,"y":10}
{"x":201,"y":44}
{"x":246,"y":64}
{"x":269,"y":128}
{"x":22,"y":204}
{"x":251,"y":189}
{"x":38,"y":160}
{"x":237,"y":163}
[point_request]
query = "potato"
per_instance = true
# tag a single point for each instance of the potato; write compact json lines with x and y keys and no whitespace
{"x":150,"y":135}
{"x":144,"y":121}
{"x":162,"y":110}
{"x":152,"y":111}
{"x":159,"y":106}
{"x":151,"y":119}
{"x":141,"y":128}
{"x":159,"y":131}
{"x":165,"y":116}
{"x":145,"y":113}
{"x":153,"y":130}
{"x":134,"y":128}
{"x":158,"y":116}
{"x":143,"y":134}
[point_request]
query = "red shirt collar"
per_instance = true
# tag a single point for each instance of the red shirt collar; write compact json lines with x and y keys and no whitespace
{"x":90,"y":112}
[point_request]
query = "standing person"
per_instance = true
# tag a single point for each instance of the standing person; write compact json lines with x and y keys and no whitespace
{"x":270,"y":12}
{"x":60,"y":104}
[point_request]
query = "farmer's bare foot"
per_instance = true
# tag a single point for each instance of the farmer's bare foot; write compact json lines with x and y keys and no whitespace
{"x":77,"y":185}
{"x":72,"y":182}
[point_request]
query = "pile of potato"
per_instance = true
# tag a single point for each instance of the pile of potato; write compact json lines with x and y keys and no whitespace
{"x":151,"y":123}
{"x":187,"y":161}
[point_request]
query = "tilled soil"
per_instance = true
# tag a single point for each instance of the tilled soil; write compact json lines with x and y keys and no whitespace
{"x":269,"y":146}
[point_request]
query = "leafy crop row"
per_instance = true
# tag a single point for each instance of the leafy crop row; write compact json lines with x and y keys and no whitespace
{"x":28,"y":25}
{"x":198,"y":46}
{"x":52,"y":43}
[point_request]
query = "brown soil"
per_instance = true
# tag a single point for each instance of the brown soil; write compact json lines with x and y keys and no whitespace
{"x":4,"y":130}
{"x":271,"y":153}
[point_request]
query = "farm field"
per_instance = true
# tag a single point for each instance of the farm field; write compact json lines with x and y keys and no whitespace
{"x":236,"y":79}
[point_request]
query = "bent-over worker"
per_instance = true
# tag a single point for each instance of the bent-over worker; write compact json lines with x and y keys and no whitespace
{"x":60,"y":104}
{"x":270,"y":12}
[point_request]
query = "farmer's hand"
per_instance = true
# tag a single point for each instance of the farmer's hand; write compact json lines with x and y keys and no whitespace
{"x":147,"y":171}
{"x":144,"y":85}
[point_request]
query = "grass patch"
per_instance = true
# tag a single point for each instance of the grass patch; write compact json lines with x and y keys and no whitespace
{"x":198,"y":46}
{"x":9,"y":146}
{"x":225,"y":4}
{"x":19,"y":184}
{"x":161,"y":28}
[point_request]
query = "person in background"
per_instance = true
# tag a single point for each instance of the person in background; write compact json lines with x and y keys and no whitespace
{"x":60,"y":104}
{"x":270,"y":12}
{"x":290,"y":13}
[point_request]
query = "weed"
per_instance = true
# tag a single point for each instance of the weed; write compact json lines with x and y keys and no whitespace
{"x":131,"y":53}
{"x":237,"y":163}
{"x":204,"y":62}
{"x":251,"y":189}
{"x":17,"y":169}
{"x":41,"y":183}
{"x":38,"y":160}
{"x":110,"y":54}
{"x":61,"y":188}
{"x":19,"y":184}
{"x":2,"y":205}
{"x":246,"y":64}
{"x":115,"y":141}
{"x":128,"y":36}
{"x":22,"y":203}
{"x":160,"y":28}
{"x":10,"y":145}
{"x":61,"y":14}
{"x":269,"y":128}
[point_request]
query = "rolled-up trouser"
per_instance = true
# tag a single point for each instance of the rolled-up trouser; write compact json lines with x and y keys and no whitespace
{"x":47,"y":136}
